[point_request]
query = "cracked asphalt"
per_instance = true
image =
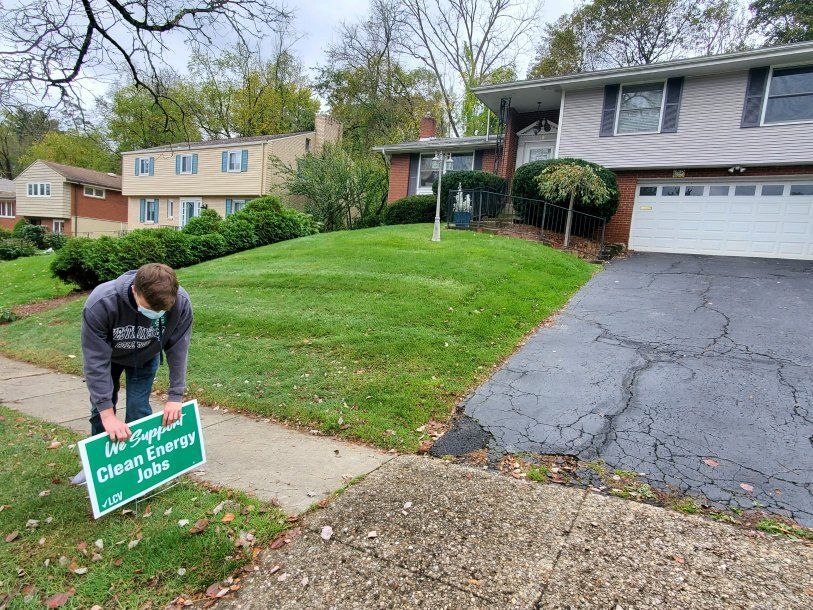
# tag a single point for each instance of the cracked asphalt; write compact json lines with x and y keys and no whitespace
{"x":663,"y":361}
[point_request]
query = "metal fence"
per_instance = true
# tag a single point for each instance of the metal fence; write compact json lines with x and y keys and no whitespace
{"x":554,"y":225}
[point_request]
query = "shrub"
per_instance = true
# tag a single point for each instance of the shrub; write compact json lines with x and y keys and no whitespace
{"x":525,"y":184}
{"x":5,"y":233}
{"x":55,"y":241}
{"x":371,"y":220}
{"x":206,"y":247}
{"x":11,"y":248}
{"x":19,"y":226}
{"x":239,"y":234}
{"x":73,"y":264}
{"x":34,"y":234}
{"x":412,"y":209}
{"x":208,"y":222}
{"x":468,"y":180}
{"x":273,"y":222}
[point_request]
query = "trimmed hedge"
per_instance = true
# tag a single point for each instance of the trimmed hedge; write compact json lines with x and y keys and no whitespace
{"x":12,"y":248}
{"x":89,"y":262}
{"x":525,"y":185}
{"x":468,"y":180}
{"x":413,"y":209}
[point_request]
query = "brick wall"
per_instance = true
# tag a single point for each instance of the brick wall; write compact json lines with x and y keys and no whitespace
{"x":516,"y":122}
{"x":399,"y":177}
{"x":112,"y":207}
{"x":618,"y":229}
{"x":488,"y":161}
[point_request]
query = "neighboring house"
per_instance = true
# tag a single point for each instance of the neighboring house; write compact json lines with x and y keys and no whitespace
{"x":714,"y":155}
{"x":168,"y":185}
{"x":70,"y":200}
{"x":7,"y":197}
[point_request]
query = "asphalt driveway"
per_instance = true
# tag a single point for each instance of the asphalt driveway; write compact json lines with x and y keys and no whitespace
{"x":663,"y":361}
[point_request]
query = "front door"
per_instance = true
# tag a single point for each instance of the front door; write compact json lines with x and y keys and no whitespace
{"x":189,"y":209}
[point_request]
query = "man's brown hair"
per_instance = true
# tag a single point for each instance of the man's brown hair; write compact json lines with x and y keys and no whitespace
{"x":158,"y":285}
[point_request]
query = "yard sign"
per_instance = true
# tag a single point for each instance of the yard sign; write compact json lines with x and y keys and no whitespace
{"x":119,"y":472}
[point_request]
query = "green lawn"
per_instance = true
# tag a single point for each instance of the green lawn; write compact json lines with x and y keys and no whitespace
{"x":29,"y":279}
{"x":366,"y":334}
{"x":146,"y":558}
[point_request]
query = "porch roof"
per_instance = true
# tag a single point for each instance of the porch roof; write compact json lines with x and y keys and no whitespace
{"x":526,"y":94}
{"x":444,"y":144}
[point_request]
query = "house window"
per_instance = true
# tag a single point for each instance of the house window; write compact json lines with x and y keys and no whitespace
{"x":237,"y":205}
{"x":144,"y":166}
{"x":718,"y":191}
{"x":39,"y":189}
{"x":790,"y":96}
{"x":235,"y":157}
{"x":745,"y":190}
{"x":94,"y":191}
{"x":670,"y":191}
{"x":151,"y":212}
{"x":6,"y":209}
{"x":648,"y":191}
{"x":427,"y":175}
{"x":639,"y":108}
{"x":694,"y":191}
{"x":170,"y":209}
{"x":307,"y":145}
{"x":801,"y":189}
{"x":772,"y":189}
{"x":185,"y":164}
{"x":59,"y":227}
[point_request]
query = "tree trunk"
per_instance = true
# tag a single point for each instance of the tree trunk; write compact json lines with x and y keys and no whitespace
{"x":569,"y":220}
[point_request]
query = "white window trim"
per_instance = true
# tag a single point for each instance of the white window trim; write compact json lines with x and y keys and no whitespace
{"x":147,"y":210}
{"x":170,"y":209}
{"x":93,"y":190}
{"x":180,"y":164}
{"x":618,"y":109}
{"x":141,"y":170}
{"x":62,"y":227}
{"x":236,"y":202}
{"x":7,"y":204}
{"x":427,"y":190}
{"x":239,"y":154}
{"x":43,"y":184}
{"x":762,"y":122}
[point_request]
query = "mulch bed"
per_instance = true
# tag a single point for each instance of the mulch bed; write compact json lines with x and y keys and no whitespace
{"x":38,"y":306}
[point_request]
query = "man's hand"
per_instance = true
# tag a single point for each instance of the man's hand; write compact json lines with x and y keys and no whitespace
{"x":115,"y":428}
{"x":172,"y":413}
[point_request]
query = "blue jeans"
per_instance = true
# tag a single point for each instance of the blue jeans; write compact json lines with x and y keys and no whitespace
{"x":139,"y":387}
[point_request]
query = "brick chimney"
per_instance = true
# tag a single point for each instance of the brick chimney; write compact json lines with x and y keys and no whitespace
{"x":429,"y":128}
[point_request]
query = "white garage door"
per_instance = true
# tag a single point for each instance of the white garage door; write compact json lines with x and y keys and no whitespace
{"x":736,"y":218}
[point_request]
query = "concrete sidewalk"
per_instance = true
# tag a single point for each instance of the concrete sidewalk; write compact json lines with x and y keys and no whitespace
{"x":268,"y":460}
{"x":419,"y":532}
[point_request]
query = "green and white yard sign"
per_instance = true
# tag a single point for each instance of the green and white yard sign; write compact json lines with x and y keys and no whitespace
{"x":119,"y":472}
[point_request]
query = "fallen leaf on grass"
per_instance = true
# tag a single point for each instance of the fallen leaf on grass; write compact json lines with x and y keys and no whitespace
{"x":181,"y":571}
{"x":747,"y":487}
{"x":711,"y":462}
{"x":200,"y":525}
{"x":12,"y":536}
{"x":218,"y":508}
{"x":99,"y":544}
{"x":227,"y":518}
{"x":45,"y":492}
{"x":59,"y":600}
{"x":424,"y":446}
{"x":133,"y":544}
{"x":215,"y":591}
{"x":80,"y":571}
{"x":55,"y":445}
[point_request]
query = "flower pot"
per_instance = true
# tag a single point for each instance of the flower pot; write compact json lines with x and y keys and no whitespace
{"x":462,"y":219}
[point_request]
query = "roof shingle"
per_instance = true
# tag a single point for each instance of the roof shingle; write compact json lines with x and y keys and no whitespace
{"x":86,"y":176}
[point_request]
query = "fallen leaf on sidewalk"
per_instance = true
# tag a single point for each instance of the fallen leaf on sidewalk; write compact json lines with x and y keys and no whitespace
{"x":372,"y":534}
{"x":711,"y":462}
{"x":200,"y":525}
{"x":215,"y":591}
{"x":679,"y":559}
{"x":747,"y":487}
{"x":327,"y":532}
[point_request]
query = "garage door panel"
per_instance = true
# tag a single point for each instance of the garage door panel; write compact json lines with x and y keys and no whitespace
{"x":743,"y":223}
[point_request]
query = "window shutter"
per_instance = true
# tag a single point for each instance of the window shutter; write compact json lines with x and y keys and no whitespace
{"x":671,"y":106}
{"x":478,"y":160}
{"x":244,"y":160}
{"x":152,"y":166}
{"x":195,"y":163}
{"x":224,"y":161}
{"x":177,"y":164}
{"x":136,"y":166}
{"x":414,"y":161}
{"x":155,"y":209}
{"x":754,"y":94}
{"x":608,"y":111}
{"x":142,"y":211}
{"x":228,"y":207}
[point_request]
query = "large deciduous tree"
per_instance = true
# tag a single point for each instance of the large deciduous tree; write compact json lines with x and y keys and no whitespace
{"x":80,"y":149}
{"x":19,"y":128}
{"x":783,"y":21}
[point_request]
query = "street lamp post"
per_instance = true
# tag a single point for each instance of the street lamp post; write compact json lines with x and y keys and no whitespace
{"x":438,"y":163}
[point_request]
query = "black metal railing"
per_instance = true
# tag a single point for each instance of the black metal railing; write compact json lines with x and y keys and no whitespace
{"x":553,"y":224}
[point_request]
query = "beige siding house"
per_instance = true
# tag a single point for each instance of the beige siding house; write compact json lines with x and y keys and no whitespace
{"x":168,"y":185}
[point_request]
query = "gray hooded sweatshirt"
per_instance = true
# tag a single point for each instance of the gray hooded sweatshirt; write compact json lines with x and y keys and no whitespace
{"x":113,"y":330}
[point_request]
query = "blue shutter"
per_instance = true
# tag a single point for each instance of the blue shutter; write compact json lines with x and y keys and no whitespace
{"x":142,"y":211}
{"x":608,"y":111}
{"x":195,"y":163}
{"x":224,"y":161}
{"x":244,"y":161}
{"x":152,"y":166}
{"x":754,"y":95}
{"x":136,"y":166}
{"x":177,"y":164}
{"x":155,"y":209}
{"x":671,"y":105}
{"x":228,"y":207}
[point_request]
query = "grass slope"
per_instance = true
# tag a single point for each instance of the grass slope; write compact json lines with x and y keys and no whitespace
{"x":48,"y":557}
{"x":366,"y":334}
{"x":29,"y":279}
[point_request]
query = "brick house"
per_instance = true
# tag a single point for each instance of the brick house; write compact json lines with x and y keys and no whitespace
{"x":70,"y":200}
{"x":7,"y":199}
{"x":168,"y":185}
{"x":713,"y":155}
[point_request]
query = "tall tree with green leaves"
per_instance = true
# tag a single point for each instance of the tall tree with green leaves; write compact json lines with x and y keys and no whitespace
{"x":88,"y":150}
{"x":783,"y":21}
{"x":19,"y":128}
